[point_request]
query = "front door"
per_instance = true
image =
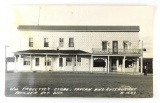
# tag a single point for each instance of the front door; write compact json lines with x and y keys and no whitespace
{"x":114,"y":66}
{"x":115,"y":47}
{"x":60,"y":62}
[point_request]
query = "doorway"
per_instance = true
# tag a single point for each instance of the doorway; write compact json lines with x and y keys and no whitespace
{"x":115,"y":47}
{"x":114,"y":65}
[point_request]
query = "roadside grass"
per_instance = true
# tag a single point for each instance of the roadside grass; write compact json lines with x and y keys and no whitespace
{"x":144,"y":84}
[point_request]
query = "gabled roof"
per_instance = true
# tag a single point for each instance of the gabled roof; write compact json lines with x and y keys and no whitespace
{"x":52,"y":51}
{"x":80,"y":28}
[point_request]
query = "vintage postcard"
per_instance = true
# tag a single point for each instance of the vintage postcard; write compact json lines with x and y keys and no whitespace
{"x":79,"y":51}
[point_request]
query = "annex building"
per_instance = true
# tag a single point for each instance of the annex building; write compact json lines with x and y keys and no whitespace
{"x":78,"y":49}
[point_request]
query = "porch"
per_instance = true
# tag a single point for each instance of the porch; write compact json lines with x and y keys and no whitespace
{"x":52,"y":60}
{"x":74,"y":61}
{"x":115,"y":64}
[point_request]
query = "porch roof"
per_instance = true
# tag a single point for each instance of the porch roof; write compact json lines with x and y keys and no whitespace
{"x":56,"y":52}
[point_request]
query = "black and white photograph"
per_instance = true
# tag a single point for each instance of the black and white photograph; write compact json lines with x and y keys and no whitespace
{"x":79,"y":51}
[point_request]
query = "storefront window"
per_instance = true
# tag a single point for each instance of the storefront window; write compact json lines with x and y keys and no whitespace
{"x":26,"y":61}
{"x":69,"y":61}
{"x":99,"y":62}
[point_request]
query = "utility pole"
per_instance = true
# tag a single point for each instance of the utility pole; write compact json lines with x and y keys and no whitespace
{"x":6,"y":58}
{"x":142,"y":59}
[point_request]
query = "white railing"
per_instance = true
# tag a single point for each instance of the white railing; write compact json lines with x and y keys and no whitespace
{"x":119,"y":51}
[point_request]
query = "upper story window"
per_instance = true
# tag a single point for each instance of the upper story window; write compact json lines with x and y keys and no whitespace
{"x":30,"y":42}
{"x":104,"y":45}
{"x":126,"y":45}
{"x":61,"y":42}
{"x":115,"y":47}
{"x":46,"y":43}
{"x":71,"y":42}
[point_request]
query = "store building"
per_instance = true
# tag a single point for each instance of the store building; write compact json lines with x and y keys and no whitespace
{"x":78,"y":49}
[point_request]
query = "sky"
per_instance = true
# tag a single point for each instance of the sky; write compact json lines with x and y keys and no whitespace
{"x":79,"y":15}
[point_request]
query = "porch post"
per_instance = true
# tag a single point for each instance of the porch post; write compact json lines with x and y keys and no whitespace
{"x":122,"y":66}
{"x":46,"y":62}
{"x":20,"y":58}
{"x":124,"y":63}
{"x":91,"y":64}
{"x":117,"y":64}
{"x":15,"y":61}
{"x":73,"y":63}
{"x":137,"y":65}
{"x":59,"y":62}
{"x":52,"y":63}
{"x":20,"y":63}
{"x":76,"y":64}
{"x":108,"y":64}
{"x":30,"y":62}
{"x":141,"y":64}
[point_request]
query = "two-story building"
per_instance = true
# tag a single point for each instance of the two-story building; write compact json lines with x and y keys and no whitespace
{"x":78,"y":48}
